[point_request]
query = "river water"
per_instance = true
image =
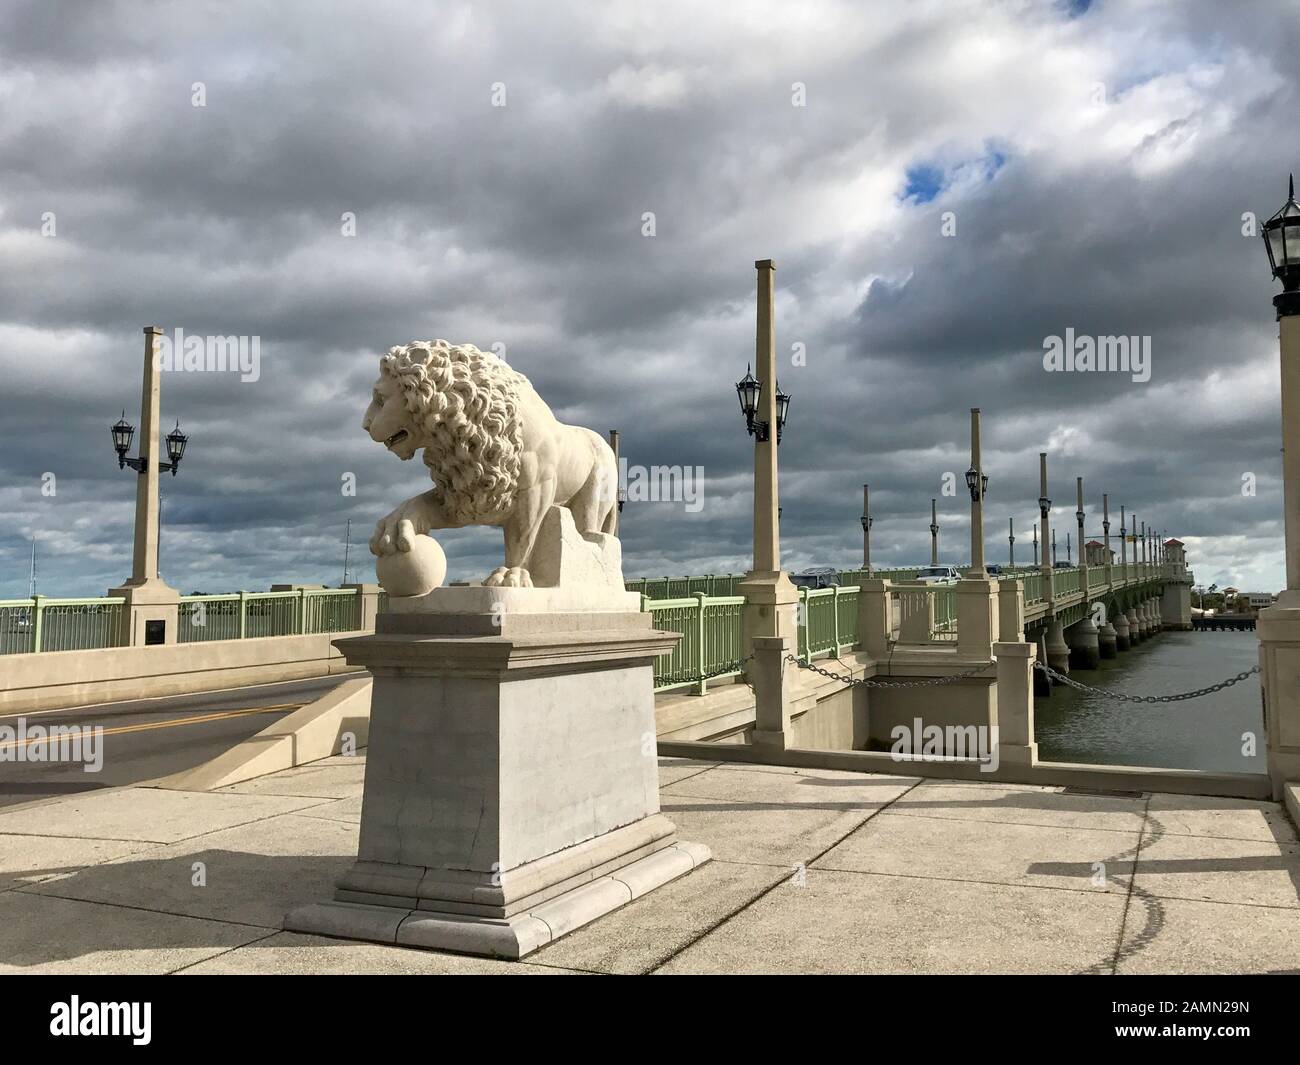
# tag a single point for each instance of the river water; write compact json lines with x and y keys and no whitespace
{"x":1204,"y":733}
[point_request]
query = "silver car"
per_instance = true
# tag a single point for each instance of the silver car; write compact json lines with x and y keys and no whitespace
{"x":938,"y":575}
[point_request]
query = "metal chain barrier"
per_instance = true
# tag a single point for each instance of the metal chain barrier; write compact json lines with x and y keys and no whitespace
{"x":725,"y":669}
{"x":1063,"y":679}
{"x":850,"y":682}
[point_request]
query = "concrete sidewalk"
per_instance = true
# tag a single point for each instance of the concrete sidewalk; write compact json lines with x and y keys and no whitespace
{"x":814,"y":871}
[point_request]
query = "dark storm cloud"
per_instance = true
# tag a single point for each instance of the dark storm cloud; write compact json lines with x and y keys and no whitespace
{"x":522,"y":226}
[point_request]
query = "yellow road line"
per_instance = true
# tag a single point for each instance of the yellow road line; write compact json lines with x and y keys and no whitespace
{"x":172,"y":723}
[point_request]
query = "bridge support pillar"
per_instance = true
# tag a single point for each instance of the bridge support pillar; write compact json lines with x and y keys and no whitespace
{"x":1085,"y":650}
{"x":1122,"y":642}
{"x":1107,"y":639}
{"x":1176,"y":605}
{"x":1135,"y":631}
{"x":1058,"y":651}
{"x":1153,"y":615}
{"x":1015,"y":703}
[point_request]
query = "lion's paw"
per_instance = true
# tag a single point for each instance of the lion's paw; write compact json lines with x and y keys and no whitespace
{"x":509,"y":577}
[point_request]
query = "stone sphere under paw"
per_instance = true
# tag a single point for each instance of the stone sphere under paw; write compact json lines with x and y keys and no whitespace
{"x":414,"y":572}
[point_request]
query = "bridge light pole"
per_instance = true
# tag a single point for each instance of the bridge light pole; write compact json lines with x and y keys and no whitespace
{"x":1044,"y":511}
{"x":770,"y":598}
{"x":1035,"y":528}
{"x":1053,"y":548}
{"x":1011,"y":543}
{"x":866,"y":521}
{"x":977,"y":482}
{"x":934,"y":534}
{"x":1105,"y":531}
{"x":1123,"y":544}
{"x":150,"y":607}
{"x":1083,"y":551}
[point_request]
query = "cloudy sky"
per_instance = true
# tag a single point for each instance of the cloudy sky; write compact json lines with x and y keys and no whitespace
{"x":943,"y":186}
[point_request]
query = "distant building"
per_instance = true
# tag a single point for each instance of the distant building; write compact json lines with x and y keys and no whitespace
{"x":1174,"y":552}
{"x":1251,"y":602}
{"x":1097,"y":554}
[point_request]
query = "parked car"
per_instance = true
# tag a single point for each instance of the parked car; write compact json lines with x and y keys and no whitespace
{"x":1062,"y":565}
{"x":994,"y":570}
{"x":817,"y":577}
{"x":938,"y":575}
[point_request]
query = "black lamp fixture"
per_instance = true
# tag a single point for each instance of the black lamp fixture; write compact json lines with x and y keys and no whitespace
{"x":1044,"y":506}
{"x":748,"y":389}
{"x":622,"y":498}
{"x":866,"y":521}
{"x":123,"y":432}
{"x":1282,"y":239}
{"x":983,"y":490}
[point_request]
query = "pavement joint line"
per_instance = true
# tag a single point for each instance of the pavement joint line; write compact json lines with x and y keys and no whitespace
{"x":1015,"y":824}
{"x":1128,"y":894}
{"x":223,"y":953}
{"x":764,"y":892}
{"x":140,"y":909}
{"x":689,"y":776}
{"x":965,"y":880}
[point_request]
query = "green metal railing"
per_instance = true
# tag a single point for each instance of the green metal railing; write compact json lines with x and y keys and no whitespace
{"x":45,"y":624}
{"x":712,"y":639}
{"x":828,"y":620}
{"x":243,"y":615}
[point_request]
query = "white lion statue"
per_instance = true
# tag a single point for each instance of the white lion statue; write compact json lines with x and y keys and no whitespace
{"x":495,"y":452}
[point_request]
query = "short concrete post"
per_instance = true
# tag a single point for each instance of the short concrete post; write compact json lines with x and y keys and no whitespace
{"x":1011,"y":611}
{"x":875,"y":617}
{"x":771,"y":674}
{"x":368,"y":607}
{"x":701,"y":663}
{"x":38,"y":621}
{"x":1016,"y":703}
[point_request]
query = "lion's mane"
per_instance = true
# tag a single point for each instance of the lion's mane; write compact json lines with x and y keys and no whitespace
{"x":467,"y":401}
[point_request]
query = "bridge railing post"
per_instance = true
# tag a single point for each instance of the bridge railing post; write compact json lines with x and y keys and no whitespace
{"x":1015,"y":703}
{"x":771,"y":675}
{"x":875,"y":617}
{"x":1011,"y":610}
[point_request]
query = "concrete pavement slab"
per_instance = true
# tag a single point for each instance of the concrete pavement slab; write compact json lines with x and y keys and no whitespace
{"x":867,"y":923}
{"x":987,"y":852}
{"x":147,"y":814}
{"x":1050,"y":807}
{"x":30,"y":859}
{"x":651,"y":929}
{"x":1177,"y":936}
{"x":1209,"y":869}
{"x":42,"y":934}
{"x":336,"y":781}
{"x":290,"y":953}
{"x":1204,"y":815}
{"x":252,"y":874}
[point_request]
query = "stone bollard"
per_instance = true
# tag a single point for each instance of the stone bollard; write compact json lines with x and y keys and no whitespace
{"x":1058,"y":651}
{"x":1108,"y":639}
{"x":1085,"y":649}
{"x":1122,"y":642}
{"x":1015,"y":704}
{"x":875,"y":623}
{"x":1136,"y":634}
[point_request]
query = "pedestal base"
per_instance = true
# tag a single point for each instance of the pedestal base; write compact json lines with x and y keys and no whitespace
{"x":511,"y":789}
{"x":500,"y":937}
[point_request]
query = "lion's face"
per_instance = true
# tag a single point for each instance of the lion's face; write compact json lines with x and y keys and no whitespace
{"x":389,"y":422}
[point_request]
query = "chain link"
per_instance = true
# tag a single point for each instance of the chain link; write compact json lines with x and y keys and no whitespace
{"x":850,"y":682}
{"x":734,"y":667}
{"x":1063,"y":679}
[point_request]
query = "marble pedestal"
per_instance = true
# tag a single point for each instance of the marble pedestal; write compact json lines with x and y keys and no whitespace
{"x":511,"y":789}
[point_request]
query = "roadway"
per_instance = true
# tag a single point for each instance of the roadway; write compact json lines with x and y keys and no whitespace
{"x":147,"y":738}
